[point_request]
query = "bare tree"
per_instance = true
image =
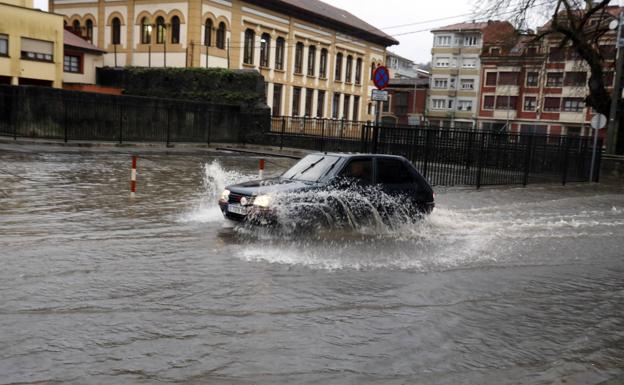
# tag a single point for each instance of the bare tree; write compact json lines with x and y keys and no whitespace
{"x":580,"y":25}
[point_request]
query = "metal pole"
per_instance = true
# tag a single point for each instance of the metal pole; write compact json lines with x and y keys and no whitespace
{"x":149,"y":56}
{"x":612,"y":131}
{"x":165,"y":51}
{"x":593,"y":161}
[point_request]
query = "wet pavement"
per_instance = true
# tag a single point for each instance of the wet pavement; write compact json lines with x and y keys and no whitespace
{"x":498,"y":286}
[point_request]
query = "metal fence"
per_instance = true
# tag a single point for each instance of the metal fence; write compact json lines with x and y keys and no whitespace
{"x":450,"y":157}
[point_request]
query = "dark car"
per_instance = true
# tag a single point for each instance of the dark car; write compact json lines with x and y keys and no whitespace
{"x":385,"y":183}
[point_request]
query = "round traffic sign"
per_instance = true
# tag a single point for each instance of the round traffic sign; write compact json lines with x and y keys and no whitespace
{"x":381,"y":77}
{"x":598,"y":121}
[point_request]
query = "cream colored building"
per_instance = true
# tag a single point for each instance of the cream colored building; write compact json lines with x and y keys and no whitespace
{"x":81,"y":59}
{"x":31,"y":45}
{"x":316,"y":59}
{"x":455,"y":71}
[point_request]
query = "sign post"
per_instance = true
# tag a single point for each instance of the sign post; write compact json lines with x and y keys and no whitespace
{"x":597,"y":122}
{"x":381,"y":78}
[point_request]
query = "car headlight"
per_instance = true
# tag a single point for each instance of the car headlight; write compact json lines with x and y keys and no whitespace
{"x":225,"y":196}
{"x":262,"y":201}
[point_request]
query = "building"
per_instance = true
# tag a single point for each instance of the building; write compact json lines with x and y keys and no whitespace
{"x":315,"y":58}
{"x":455,"y":71}
{"x":31,"y":45}
{"x":407,"y":101}
{"x":402,"y":68}
{"x":539,"y":87}
{"x":80,"y":61}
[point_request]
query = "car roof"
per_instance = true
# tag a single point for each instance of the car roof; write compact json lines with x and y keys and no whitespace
{"x":357,"y":154}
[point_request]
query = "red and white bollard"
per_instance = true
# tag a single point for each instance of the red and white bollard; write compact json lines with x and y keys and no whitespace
{"x":133,"y":177}
{"x":261,"y":169}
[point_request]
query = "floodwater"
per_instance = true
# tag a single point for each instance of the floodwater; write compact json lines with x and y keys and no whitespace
{"x":498,"y":286}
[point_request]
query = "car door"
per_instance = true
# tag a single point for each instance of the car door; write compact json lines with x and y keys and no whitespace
{"x":358,"y":170}
{"x":396,"y":179}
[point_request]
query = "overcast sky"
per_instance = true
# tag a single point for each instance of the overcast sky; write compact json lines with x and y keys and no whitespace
{"x":422,"y":15}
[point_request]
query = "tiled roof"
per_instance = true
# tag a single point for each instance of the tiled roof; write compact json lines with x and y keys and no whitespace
{"x":322,"y":13}
{"x":74,"y":41}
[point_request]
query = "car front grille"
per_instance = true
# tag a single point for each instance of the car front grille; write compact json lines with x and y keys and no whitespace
{"x":236,"y":198}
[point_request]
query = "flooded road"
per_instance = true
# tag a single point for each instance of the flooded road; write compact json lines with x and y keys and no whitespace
{"x":498,"y":286}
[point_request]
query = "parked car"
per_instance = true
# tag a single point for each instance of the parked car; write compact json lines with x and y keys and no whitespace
{"x":333,"y":187}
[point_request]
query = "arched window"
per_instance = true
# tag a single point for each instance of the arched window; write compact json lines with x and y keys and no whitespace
{"x":175,"y":30}
{"x":64,"y":23}
{"x":311,"y":60}
{"x":221,"y":36}
{"x":208,"y":33}
{"x":76,"y":27}
{"x":349,"y":70}
{"x":116,"y":31}
{"x":299,"y":58}
{"x":323,"y":64}
{"x":280,"y":45}
{"x":146,"y":31}
{"x":265,"y":48}
{"x":373,"y":67}
{"x":89,"y":30}
{"x":160,"y":30}
{"x":338,"y":73}
{"x":248,"y":54}
{"x":358,"y":71}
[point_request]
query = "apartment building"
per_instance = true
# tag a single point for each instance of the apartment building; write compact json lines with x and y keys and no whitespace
{"x":403,"y":68}
{"x":31,"y":45}
{"x":539,"y":87}
{"x":455,"y":71}
{"x":316,"y":59}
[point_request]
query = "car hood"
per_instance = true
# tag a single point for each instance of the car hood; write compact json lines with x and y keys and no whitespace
{"x":267,"y":186}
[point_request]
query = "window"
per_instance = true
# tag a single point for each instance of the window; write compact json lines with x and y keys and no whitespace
{"x":349,"y":70}
{"x":311,"y":60}
{"x":552,"y":104}
{"x":469,"y":63}
{"x":450,"y":104}
{"x":488,"y":102}
{"x":361,"y":170}
{"x":299,"y":58}
{"x":320,"y":104}
{"x":356,"y":108}
{"x":443,"y":41}
{"x":556,"y":54}
{"x":160,"y":30}
{"x":471,"y":40}
{"x":146,"y":31}
{"x":40,"y":50}
{"x":71,"y":63}
{"x":76,"y":28}
{"x":277,"y":99}
{"x":508,"y":78}
{"x":307,"y":108}
{"x":385,"y":105}
{"x":490,"y":78}
{"x":442,"y":62}
{"x":323,"y":64}
{"x":532,"y":79}
{"x":345,"y":106}
{"x":175,"y":30}
{"x":89,"y":30}
{"x":440,"y":83}
{"x":248,"y":53}
{"x":296,"y":101}
{"x":208,"y":33}
{"x":438,"y":104}
{"x":116,"y":31}
{"x":335,"y":105}
{"x":554,"y":79}
{"x":393,"y":171}
{"x":265,"y":48}
{"x":532,"y":51}
{"x":530,"y":103}
{"x":4,"y":45}
{"x":338,"y":72}
{"x":573,"y":104}
{"x":506,"y":102}
{"x":400,"y":103}
{"x":221,"y":36}
{"x":467,"y":84}
{"x":495,"y":51}
{"x":464,"y":105}
{"x":358,"y":71}
{"x":575,"y":79}
{"x":279,"y":53}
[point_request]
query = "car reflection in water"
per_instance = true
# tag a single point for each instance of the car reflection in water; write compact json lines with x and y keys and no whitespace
{"x":333,"y":189}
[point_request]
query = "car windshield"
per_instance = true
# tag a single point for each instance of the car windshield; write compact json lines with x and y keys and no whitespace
{"x":311,"y":168}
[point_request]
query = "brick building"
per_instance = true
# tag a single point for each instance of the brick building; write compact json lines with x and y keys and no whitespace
{"x":407,"y":101}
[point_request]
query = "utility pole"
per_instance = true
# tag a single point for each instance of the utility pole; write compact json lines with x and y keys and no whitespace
{"x":612,"y":131}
